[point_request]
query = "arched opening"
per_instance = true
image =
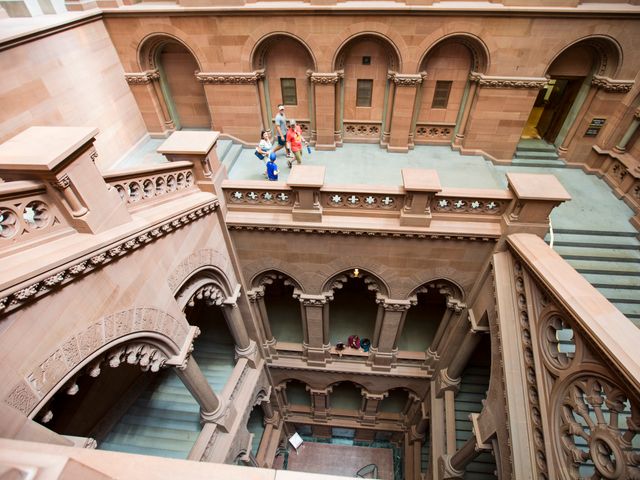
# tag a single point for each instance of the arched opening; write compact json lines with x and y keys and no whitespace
{"x":570,"y":75}
{"x":353,"y":310}
{"x":364,"y":90}
{"x":345,"y":396}
{"x":443,"y":91}
{"x":423,"y":320}
{"x":395,"y":402}
{"x":282,"y":308}
{"x":182,"y":94}
{"x":255,"y":425}
{"x":286,"y":61}
{"x":296,"y":394}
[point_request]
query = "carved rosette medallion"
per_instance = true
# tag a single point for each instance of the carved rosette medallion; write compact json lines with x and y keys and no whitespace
{"x":597,"y":429}
{"x":224,"y":78}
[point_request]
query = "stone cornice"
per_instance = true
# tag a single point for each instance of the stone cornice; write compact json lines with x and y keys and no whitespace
{"x":369,"y":233}
{"x":226,"y":78}
{"x":508,"y":82}
{"x":142,"y":78}
{"x":406,"y":80}
{"x":78,"y":268}
{"x":612,"y":85}
{"x":325,"y":78}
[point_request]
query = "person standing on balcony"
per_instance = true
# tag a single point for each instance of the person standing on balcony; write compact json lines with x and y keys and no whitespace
{"x":294,"y":141}
{"x":281,"y":131}
{"x":272,"y":168}
{"x":264,"y":148}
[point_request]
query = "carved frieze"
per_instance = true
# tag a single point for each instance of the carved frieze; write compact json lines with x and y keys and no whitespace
{"x":324,"y":78}
{"x":142,"y":78}
{"x":508,"y":82}
{"x":611,"y":85}
{"x":225,"y":78}
{"x":82,"y":266}
{"x":406,"y":80}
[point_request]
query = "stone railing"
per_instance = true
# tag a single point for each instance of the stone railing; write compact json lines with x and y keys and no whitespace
{"x":146,"y":184}
{"x":430,"y":133}
{"x":28,"y":215}
{"x":420,"y":203}
{"x":578,"y":371}
{"x":361,"y":130}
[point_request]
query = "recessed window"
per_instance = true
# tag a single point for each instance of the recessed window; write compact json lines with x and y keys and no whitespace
{"x":365,"y":89}
{"x":288,"y":86}
{"x":441,"y":95}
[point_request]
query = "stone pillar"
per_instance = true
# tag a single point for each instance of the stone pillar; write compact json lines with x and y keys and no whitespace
{"x":466,"y":108}
{"x":371,"y":404}
{"x":437,"y":436}
{"x":403,"y":107}
{"x":535,"y":196}
{"x":389,"y":97}
{"x":212,"y":408}
{"x":394,"y":313}
{"x":635,"y":123}
{"x":420,"y":186}
{"x":147,"y":92}
{"x":564,"y":147}
{"x":454,"y":307}
{"x":324,"y":86}
{"x":451,"y":467}
{"x":198,"y":147}
{"x":306,"y":181}
{"x":63,"y":158}
{"x":256,"y":297}
{"x":263,"y":97}
{"x":339,"y":103}
{"x":245,"y":347}
{"x":320,"y":403}
{"x":315,"y":316}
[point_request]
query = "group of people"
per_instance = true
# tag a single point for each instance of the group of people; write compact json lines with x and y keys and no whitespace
{"x":289,"y":136}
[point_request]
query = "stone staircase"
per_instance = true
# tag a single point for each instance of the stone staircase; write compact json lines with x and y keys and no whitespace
{"x":228,"y":153}
{"x":536,"y":153}
{"x":473,"y":391}
{"x":164,"y":420}
{"x":610,"y":261}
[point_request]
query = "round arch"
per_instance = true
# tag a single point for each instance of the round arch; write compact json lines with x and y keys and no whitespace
{"x":261,"y":47}
{"x":373,"y":281}
{"x":446,"y":286}
{"x":267,"y":276}
{"x":476,"y":47}
{"x":150,"y":45}
{"x":199,"y":279}
{"x":608,"y":51}
{"x":394,"y":57}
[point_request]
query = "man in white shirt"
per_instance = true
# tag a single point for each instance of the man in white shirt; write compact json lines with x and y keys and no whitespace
{"x":281,"y":131}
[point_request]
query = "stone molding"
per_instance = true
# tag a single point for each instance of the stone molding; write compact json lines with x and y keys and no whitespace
{"x":325,"y":78}
{"x":508,"y":82}
{"x":196,"y":261}
{"x":96,"y":259}
{"x":225,"y":78}
{"x":142,"y":78}
{"x":37,"y":386}
{"x":364,"y":233}
{"x":406,"y":80}
{"x":611,"y":85}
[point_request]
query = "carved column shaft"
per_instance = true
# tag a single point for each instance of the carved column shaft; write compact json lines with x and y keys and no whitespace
{"x":460,"y":360}
{"x":320,"y":404}
{"x":574,"y":127}
{"x":450,"y":420}
{"x":315,"y":315}
{"x":371,"y":405}
{"x":453,"y":307}
{"x":402,"y":113}
{"x":471,"y":95}
{"x":211,"y":406}
{"x":465,"y":455}
{"x":635,"y":123}
{"x":236,"y":325}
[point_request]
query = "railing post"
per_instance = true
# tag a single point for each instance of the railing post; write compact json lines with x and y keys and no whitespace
{"x":535,"y":197}
{"x":305,"y":181}
{"x":198,"y":148}
{"x":63,"y":158}
{"x":420,"y":186}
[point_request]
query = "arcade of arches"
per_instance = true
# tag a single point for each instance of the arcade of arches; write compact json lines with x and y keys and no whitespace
{"x":167,"y":311}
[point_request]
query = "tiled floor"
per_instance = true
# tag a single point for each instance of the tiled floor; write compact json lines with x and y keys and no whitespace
{"x":343,"y":460}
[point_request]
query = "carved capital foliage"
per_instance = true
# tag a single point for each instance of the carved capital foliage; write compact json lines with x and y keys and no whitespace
{"x":256,"y":293}
{"x":142,"y":78}
{"x":612,"y":85}
{"x":225,"y":78}
{"x":61,"y":183}
{"x":508,"y":82}
{"x":406,"y":80}
{"x":324,"y":78}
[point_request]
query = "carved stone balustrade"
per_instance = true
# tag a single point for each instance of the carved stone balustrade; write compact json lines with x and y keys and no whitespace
{"x":306,"y":183}
{"x":198,"y":148}
{"x":420,"y":186}
{"x":152,"y":184}
{"x":63,"y":159}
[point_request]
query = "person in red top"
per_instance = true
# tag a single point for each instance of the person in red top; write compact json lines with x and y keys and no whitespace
{"x":294,"y":141}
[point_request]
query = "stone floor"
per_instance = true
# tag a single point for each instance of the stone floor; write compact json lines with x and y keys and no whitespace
{"x":343,"y":460}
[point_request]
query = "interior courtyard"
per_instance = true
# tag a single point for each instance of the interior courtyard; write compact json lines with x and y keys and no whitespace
{"x":447,"y":286}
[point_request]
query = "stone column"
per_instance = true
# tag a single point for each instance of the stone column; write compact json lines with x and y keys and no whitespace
{"x":389,"y":97}
{"x":197,"y":147}
{"x":315,"y":316}
{"x":454,"y":307}
{"x":212,"y":408}
{"x":67,"y":168}
{"x":256,"y":297}
{"x":467,"y":105}
{"x":339,"y":103}
{"x":451,"y":467}
{"x":635,"y":123}
{"x":564,"y":147}
{"x":437,"y":436}
{"x":263,"y":97}
{"x":394,"y":313}
{"x":369,"y":413}
{"x":147,"y":92}
{"x":403,"y":108}
{"x":320,"y":403}
{"x":324,"y":86}
{"x":245,"y":347}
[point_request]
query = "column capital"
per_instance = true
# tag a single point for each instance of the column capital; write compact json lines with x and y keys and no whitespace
{"x":373,"y":396}
{"x":391,"y":305}
{"x":444,"y":382}
{"x":406,"y":79}
{"x":455,"y":305}
{"x":318,"y":78}
{"x":309,"y":300}
{"x":315,"y":391}
{"x":180,"y":360}
{"x":142,"y":78}
{"x":446,"y":470}
{"x":256,"y":293}
{"x":232,"y":300}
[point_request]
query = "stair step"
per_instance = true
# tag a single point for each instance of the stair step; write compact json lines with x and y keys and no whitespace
{"x":181,"y":402}
{"x":536,"y":154}
{"x":606,"y":233}
{"x":156,"y":452}
{"x":598,"y":254}
{"x":600,"y":280}
{"x":535,"y":146}
{"x":232,"y":156}
{"x":599,"y":266}
{"x":538,"y":163}
{"x":631,"y":310}
{"x":166,"y":433}
{"x":140,"y":436}
{"x":148,"y":421}
{"x":620,"y":295}
{"x":165,"y":410}
{"x":222,"y":148}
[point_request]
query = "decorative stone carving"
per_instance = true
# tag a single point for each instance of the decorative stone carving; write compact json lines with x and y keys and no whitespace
{"x":508,"y":82}
{"x":61,"y":183}
{"x":224,"y":78}
{"x":406,"y":80}
{"x":324,"y":78}
{"x":147,"y":356}
{"x":142,"y":78}
{"x":611,"y":85}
